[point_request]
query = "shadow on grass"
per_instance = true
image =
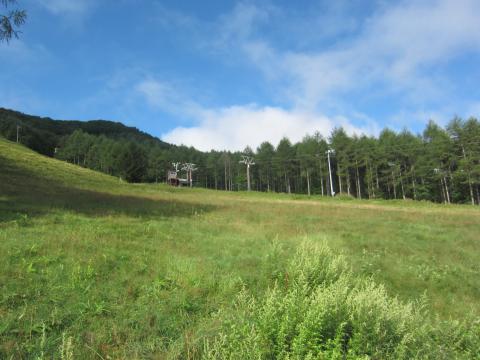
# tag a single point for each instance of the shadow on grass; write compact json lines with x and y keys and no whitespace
{"x":24,"y":194}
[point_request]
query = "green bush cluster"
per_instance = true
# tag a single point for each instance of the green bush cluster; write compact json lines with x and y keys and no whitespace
{"x":321,"y":310}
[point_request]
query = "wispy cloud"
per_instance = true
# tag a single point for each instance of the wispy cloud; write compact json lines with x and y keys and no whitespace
{"x":19,"y":52}
{"x":67,"y":7}
{"x":240,"y":23}
{"x":391,"y":50}
{"x":164,"y":96}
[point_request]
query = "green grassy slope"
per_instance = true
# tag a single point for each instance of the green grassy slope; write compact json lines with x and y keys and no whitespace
{"x":134,"y":270}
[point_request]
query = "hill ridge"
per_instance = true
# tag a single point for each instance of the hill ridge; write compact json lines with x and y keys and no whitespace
{"x":43,"y":134}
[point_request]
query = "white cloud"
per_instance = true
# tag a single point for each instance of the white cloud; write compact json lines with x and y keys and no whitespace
{"x":165,"y":96}
{"x":241,"y":22}
{"x":156,"y":93}
{"x":391,"y":51}
{"x":233,"y":128}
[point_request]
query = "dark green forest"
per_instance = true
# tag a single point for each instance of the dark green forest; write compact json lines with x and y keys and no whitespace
{"x":441,"y":164}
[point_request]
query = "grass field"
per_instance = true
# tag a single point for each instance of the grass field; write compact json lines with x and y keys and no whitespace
{"x":97,"y":268}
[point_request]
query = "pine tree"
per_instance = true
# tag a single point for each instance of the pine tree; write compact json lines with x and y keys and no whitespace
{"x":284,"y":163}
{"x":132,"y":162}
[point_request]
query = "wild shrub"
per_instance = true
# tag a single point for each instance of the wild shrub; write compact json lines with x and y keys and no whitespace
{"x":324,"y":311}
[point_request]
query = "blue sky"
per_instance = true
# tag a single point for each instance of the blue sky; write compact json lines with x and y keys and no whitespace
{"x":226,"y":74}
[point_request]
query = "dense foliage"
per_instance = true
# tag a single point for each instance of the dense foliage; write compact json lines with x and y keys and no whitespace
{"x":320,"y":310}
{"x":441,"y":164}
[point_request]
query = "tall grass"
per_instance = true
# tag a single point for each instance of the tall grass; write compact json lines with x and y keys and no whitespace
{"x":96,"y":268}
{"x":319,"y":309}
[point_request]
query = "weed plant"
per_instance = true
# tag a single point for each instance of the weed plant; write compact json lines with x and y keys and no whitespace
{"x":319,"y":309}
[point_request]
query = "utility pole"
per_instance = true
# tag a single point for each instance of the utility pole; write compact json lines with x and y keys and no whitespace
{"x":175,"y":166}
{"x":247,"y":160}
{"x":18,"y":133}
{"x":330,"y":151}
{"x":189,"y":168}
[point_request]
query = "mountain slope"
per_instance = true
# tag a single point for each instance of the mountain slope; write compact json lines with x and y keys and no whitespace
{"x":122,"y":270}
{"x":33,"y":185}
{"x":43,"y":134}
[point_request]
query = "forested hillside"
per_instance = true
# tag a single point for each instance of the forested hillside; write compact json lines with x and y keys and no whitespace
{"x":44,"y":134}
{"x":441,"y":164}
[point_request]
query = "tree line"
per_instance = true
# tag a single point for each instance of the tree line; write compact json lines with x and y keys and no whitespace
{"x":442,"y":164}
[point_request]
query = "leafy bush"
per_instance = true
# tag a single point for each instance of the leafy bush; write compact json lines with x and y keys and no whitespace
{"x":322,"y":311}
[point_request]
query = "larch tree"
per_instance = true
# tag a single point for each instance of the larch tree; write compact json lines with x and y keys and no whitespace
{"x":439,"y":151}
{"x":341,"y":143}
{"x":306,"y":154}
{"x":264,"y":158}
{"x":284,"y":162}
{"x":11,"y":20}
